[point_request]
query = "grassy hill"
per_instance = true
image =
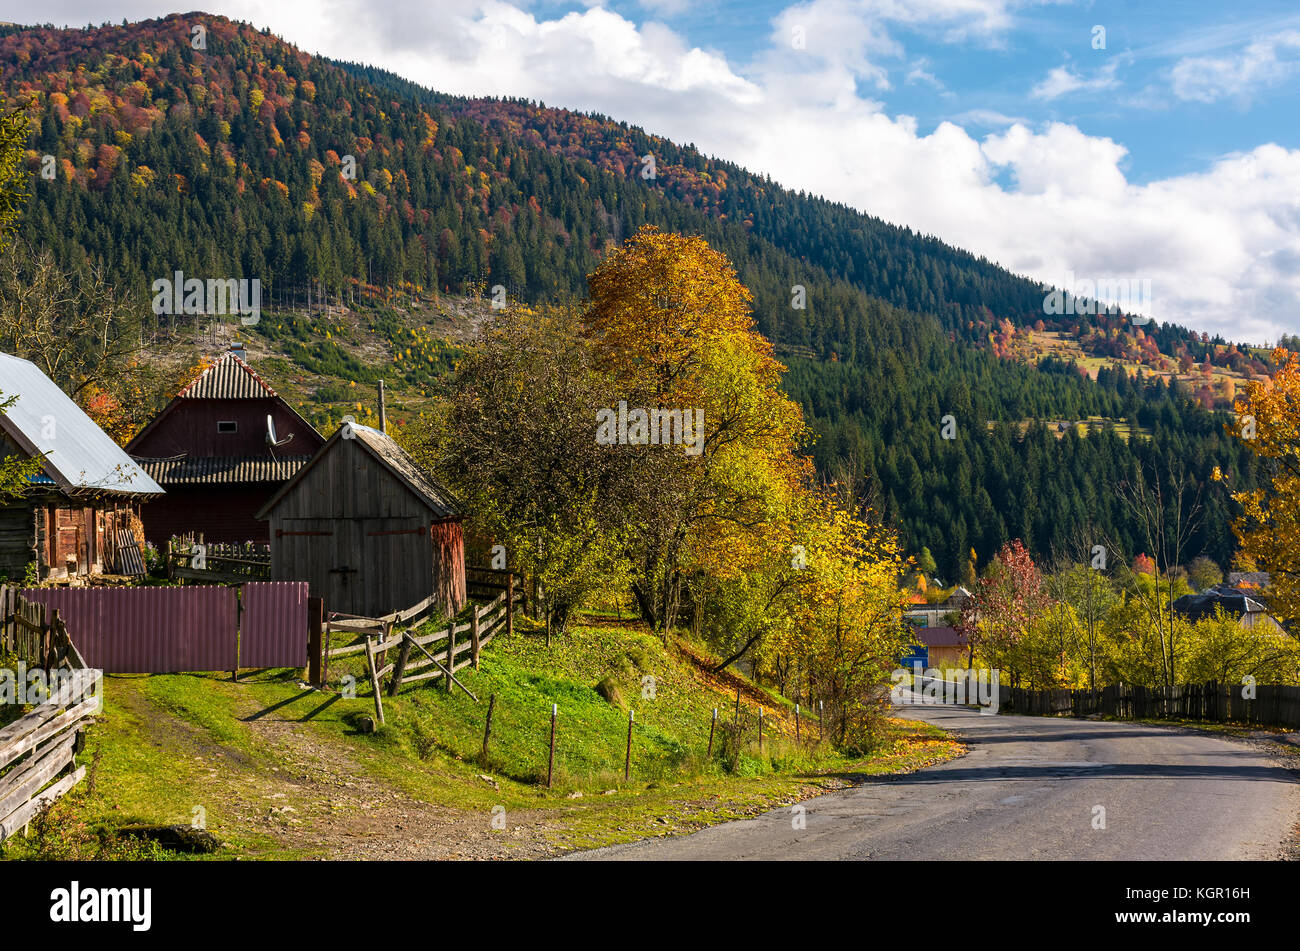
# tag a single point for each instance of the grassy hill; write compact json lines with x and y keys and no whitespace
{"x":282,"y":771}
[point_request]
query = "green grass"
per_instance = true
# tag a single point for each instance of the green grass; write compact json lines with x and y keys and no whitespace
{"x":245,"y":751}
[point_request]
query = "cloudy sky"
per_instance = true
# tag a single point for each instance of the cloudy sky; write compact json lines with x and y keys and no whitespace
{"x":1108,"y":140}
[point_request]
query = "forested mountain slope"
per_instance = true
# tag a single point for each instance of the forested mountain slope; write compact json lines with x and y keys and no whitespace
{"x":237,"y":160}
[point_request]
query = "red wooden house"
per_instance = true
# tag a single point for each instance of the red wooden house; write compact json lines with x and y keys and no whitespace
{"x":221,"y":448}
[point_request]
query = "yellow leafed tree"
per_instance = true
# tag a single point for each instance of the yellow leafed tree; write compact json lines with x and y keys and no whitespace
{"x":1269,"y":527}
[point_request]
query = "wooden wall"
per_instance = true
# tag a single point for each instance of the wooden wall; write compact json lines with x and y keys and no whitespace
{"x":192,"y":428}
{"x":362,"y":540}
{"x":222,"y":513}
{"x":18,"y":538}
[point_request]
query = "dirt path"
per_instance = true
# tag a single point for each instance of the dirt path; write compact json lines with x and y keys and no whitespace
{"x":331,"y":806}
{"x":318,"y":801}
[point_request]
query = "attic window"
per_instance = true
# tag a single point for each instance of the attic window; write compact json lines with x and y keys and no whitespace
{"x":227,"y":426}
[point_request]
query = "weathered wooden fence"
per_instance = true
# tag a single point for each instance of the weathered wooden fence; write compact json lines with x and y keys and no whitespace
{"x":484,"y":584}
{"x":193,"y":559}
{"x":415,"y":660}
{"x":37,"y":748}
{"x":1272,"y":704}
{"x":37,"y":636}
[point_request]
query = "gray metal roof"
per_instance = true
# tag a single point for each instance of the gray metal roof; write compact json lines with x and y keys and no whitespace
{"x":214,"y":470}
{"x":230,"y":378}
{"x":78,"y":454}
{"x":407,"y":469}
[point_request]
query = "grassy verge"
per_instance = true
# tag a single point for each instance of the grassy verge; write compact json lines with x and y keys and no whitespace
{"x":279,"y":771}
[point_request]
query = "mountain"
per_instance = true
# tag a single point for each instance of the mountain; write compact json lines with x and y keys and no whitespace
{"x":251,"y":159}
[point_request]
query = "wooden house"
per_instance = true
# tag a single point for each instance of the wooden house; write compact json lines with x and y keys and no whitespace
{"x":222,"y":447}
{"x":88,"y":488}
{"x":369,"y":529}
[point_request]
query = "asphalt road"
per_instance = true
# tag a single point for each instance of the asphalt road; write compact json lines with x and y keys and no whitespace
{"x":1029,"y":789}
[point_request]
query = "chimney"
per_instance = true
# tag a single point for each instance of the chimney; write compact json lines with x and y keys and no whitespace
{"x":237,"y":348}
{"x":383,"y":417}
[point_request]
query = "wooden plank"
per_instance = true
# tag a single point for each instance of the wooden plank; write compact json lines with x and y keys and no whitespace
{"x":426,"y":639}
{"x":345,"y":651}
{"x":15,"y":747}
{"x":20,"y":818}
{"x":374,"y":682}
{"x":20,"y":785}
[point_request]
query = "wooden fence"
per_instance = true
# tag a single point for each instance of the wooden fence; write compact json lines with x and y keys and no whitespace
{"x":38,"y":751}
{"x":35,"y":634}
{"x":415,"y":660}
{"x":193,"y":559}
{"x":484,"y":584}
{"x":1272,"y":704}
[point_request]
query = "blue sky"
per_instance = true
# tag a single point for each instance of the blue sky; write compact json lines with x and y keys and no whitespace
{"x":1171,"y":155}
{"x":936,"y":77}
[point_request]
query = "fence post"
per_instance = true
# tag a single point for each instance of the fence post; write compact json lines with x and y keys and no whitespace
{"x":374,"y":678}
{"x":487,"y":727}
{"x":510,"y":604}
{"x":797,"y":737}
{"x":713,"y":725}
{"x":473,"y":638}
{"x":550,"y":762}
{"x":315,"y":624}
{"x":760,"y":731}
{"x":399,"y":666}
{"x":627,"y":760}
{"x":451,"y":651}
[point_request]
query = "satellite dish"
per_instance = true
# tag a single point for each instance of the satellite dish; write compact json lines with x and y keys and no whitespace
{"x":270,"y":433}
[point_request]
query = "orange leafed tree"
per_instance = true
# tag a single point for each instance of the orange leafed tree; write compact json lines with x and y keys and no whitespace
{"x":1269,"y":526}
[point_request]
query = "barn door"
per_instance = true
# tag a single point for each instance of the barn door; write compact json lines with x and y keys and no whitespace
{"x":398,"y":563}
{"x":347,"y":569}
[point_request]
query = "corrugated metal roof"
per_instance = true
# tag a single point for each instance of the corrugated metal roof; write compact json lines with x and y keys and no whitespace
{"x":1234,"y":603}
{"x":940,"y":637}
{"x":212,"y":470}
{"x":406,"y":468}
{"x":78,"y":454}
{"x":230,"y":378}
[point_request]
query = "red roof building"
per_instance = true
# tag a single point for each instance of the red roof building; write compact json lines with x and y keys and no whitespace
{"x":221,"y":448}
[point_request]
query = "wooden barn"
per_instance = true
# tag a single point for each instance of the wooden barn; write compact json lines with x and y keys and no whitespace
{"x":369,"y":529}
{"x":67,"y":520}
{"x":222,"y":447}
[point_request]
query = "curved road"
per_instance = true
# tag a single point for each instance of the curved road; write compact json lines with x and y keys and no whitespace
{"x":1029,"y":789}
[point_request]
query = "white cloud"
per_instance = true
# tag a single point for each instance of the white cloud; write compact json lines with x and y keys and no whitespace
{"x":1062,"y":80}
{"x":1263,"y":63}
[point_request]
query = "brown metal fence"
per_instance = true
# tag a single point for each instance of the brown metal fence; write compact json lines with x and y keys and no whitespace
{"x":191,"y":628}
{"x":273,"y":624}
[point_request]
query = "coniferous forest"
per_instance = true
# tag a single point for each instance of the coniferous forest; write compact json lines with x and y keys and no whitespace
{"x":251,"y":159}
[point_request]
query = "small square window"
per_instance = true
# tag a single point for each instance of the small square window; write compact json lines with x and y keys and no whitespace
{"x":227,"y":426}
